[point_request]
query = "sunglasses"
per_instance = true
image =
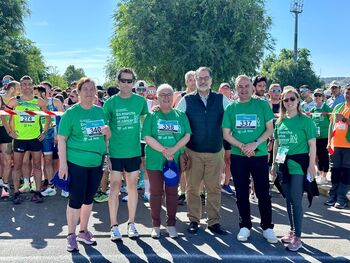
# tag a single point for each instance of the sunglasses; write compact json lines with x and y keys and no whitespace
{"x":5,"y":81}
{"x":318,"y":95}
{"x":126,"y":80}
{"x":276,"y":90}
{"x":140,"y":89}
{"x":289,"y":99}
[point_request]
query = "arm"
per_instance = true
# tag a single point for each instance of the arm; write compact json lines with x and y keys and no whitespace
{"x":312,"y":157}
{"x":181,"y":143}
{"x":154,"y":144}
{"x":274,"y":164}
{"x":62,"y":153}
{"x":229,"y":138}
{"x":42,"y":106}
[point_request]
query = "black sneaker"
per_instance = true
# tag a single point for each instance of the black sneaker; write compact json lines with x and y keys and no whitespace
{"x":182,"y":199}
{"x":330,"y":202}
{"x":216,"y":229}
{"x":17,"y":198}
{"x":203,"y":198}
{"x":193,"y":228}
{"x":37,"y":197}
{"x":340,"y":205}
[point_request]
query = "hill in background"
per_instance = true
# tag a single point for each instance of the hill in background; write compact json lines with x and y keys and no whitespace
{"x":343,"y":81}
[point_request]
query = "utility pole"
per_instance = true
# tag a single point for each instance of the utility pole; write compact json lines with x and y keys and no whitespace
{"x":296,"y":7}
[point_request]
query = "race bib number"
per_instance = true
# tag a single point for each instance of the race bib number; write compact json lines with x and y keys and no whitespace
{"x":94,"y":128}
{"x":26,"y":119}
{"x":281,"y":154}
{"x":246,"y":121}
{"x":168,"y":126}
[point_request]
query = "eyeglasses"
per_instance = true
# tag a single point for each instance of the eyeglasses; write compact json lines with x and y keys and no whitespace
{"x":126,"y":80}
{"x":151,"y":91}
{"x":206,"y":78}
{"x":289,"y":99}
{"x":276,"y":90}
{"x":5,"y":81}
{"x":318,"y":95}
{"x":165,"y":95}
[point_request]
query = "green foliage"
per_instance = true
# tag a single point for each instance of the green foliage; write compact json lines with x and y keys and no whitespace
{"x":71,"y":74}
{"x":283,"y":70}
{"x":55,"y":78}
{"x":164,"y":39}
{"x":111,"y":69}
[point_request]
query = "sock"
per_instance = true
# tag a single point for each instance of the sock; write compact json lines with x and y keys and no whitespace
{"x":146,"y":182}
{"x":26,"y":180}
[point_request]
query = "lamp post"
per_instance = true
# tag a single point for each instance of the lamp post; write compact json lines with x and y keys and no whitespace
{"x":296,"y":7}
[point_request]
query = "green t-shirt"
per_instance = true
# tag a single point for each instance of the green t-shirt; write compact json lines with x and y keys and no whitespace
{"x":294,"y":134}
{"x":247,"y":122}
{"x":123,"y":116}
{"x":85,"y":144}
{"x":321,"y":120}
{"x":27,"y":126}
{"x":167,"y":129}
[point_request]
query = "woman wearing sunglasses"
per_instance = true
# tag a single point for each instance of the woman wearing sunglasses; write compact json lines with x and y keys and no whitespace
{"x":320,"y":116}
{"x":294,"y":157}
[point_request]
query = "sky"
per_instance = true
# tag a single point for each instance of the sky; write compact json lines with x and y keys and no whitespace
{"x":78,"y":32}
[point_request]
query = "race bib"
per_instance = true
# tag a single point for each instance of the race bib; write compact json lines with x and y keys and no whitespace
{"x":340,"y":126}
{"x":94,"y":128}
{"x":281,"y":154}
{"x":318,"y":131}
{"x":168,"y":126}
{"x":26,"y":119}
{"x":246,"y":121}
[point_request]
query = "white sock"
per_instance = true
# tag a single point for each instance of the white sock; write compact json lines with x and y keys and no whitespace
{"x":26,"y":180}
{"x":146,"y":181}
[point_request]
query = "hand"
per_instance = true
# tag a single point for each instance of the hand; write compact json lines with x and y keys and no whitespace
{"x":13,"y":134}
{"x":106,"y":131}
{"x":249,"y":149}
{"x":339,"y":117}
{"x":42,"y":136}
{"x":167,"y":154}
{"x":63,"y":171}
{"x":273,"y":171}
{"x":312,"y":171}
{"x":270,"y":145}
{"x":155,"y":108}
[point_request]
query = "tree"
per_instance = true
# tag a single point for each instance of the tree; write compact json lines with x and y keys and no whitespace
{"x":55,"y":78}
{"x":164,"y":39}
{"x":71,"y":74}
{"x":283,"y":70}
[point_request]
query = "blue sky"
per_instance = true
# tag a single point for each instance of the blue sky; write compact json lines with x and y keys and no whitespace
{"x":78,"y":32}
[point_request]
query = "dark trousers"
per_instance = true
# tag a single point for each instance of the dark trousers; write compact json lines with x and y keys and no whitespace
{"x":322,"y":154}
{"x":156,"y":182}
{"x":241,"y":169}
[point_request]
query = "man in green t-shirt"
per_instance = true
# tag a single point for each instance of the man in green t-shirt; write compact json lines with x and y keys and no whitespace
{"x":246,"y":126}
{"x":123,"y":112}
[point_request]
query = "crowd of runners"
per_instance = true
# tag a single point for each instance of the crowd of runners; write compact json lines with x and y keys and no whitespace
{"x":189,"y":146}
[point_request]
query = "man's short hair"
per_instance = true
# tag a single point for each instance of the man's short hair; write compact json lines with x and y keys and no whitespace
{"x":204,"y":68}
{"x":258,"y":79}
{"x":126,"y":70}
{"x":112,"y":90}
{"x":188,"y":74}
{"x":46,"y":83}
{"x":40,"y":88}
{"x":241,"y":77}
{"x":25,"y":77}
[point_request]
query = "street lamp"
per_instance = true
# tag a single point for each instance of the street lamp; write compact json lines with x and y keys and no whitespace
{"x":296,"y":7}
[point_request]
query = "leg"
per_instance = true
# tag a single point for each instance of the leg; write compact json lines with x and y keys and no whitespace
{"x":6,"y":150}
{"x":131,"y":183}
{"x":36,"y":157}
{"x":156,"y":189}
{"x":113,"y":199}
{"x":171,"y":204}
{"x":48,"y":166}
{"x":17,"y":170}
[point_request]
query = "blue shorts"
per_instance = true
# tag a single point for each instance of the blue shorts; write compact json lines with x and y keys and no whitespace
{"x":48,"y":146}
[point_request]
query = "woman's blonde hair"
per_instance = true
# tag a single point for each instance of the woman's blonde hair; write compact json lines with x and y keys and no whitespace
{"x":282,"y":112}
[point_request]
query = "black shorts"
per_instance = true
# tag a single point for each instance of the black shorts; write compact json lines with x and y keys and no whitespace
{"x":4,"y":137}
{"x":143,"y":145}
{"x":227,"y":145}
{"x":126,"y":164}
{"x":22,"y":146}
{"x":55,"y":152}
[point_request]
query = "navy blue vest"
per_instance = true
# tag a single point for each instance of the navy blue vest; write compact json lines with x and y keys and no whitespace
{"x":205,"y":122}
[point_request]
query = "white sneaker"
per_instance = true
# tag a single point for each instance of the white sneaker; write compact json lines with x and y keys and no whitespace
{"x":50,"y":191}
{"x":124,"y":189}
{"x":115,"y":233}
{"x":155,"y":232}
{"x":132,"y":231}
{"x":270,"y":236}
{"x":64,"y":194}
{"x":125,"y":198}
{"x":321,"y":180}
{"x":172,"y":231}
{"x":243,"y":234}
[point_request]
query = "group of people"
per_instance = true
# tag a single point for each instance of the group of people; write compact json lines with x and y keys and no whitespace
{"x":247,"y":135}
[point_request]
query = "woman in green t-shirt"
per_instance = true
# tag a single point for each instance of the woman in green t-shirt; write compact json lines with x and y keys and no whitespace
{"x":166,"y":132}
{"x":320,"y":116}
{"x":295,"y":154}
{"x":82,"y":138}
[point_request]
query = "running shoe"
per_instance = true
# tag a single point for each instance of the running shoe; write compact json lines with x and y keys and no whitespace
{"x":182,"y":199}
{"x":124,"y":189}
{"x":321,"y":180}
{"x":172,"y":231}
{"x":64,"y":194}
{"x":101,"y":197}
{"x":25,"y":188}
{"x":132,"y":231}
{"x":125,"y":198}
{"x":270,"y":236}
{"x":340,"y":205}
{"x":5,"y":193}
{"x":87,"y":238}
{"x":37,"y":197}
{"x":33,"y":186}
{"x":227,"y":189}
{"x":141,"y":183}
{"x":146,"y":197}
{"x":17,"y":199}
{"x":115,"y":233}
{"x":243,"y":235}
{"x":287,"y":238}
{"x":72,"y":245}
{"x":50,"y":191}
{"x":295,"y":244}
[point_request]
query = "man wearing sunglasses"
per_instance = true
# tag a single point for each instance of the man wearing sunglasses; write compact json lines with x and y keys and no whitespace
{"x":123,"y":113}
{"x":247,"y":124}
{"x":308,"y":101}
{"x":337,"y":96}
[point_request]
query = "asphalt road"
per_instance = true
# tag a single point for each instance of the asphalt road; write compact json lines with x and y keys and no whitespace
{"x":37,"y":233}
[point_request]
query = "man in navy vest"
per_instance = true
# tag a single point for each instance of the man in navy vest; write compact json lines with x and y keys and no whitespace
{"x":204,"y":109}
